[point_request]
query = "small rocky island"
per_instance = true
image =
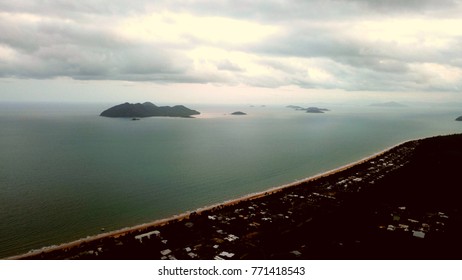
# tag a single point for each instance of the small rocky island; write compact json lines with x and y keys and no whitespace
{"x":238,"y":113}
{"x":459,"y":118}
{"x":147,"y":109}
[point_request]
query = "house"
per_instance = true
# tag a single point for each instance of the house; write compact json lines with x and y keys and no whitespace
{"x":165,"y":252}
{"x":231,"y":237}
{"x":296,"y":253}
{"x":148,"y":235}
{"x":418,"y":234}
{"x":226,"y":254}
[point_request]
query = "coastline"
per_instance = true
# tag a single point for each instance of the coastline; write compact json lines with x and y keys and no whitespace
{"x":181,"y":216}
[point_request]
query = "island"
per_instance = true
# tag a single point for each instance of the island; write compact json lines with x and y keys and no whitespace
{"x":401,"y":203}
{"x":459,"y":118}
{"x":295,"y":107}
{"x":238,"y":113}
{"x":147,"y":109}
{"x":309,"y":109}
{"x":316,"y":110}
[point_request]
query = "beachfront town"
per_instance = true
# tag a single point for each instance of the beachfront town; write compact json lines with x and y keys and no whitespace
{"x":306,"y":220}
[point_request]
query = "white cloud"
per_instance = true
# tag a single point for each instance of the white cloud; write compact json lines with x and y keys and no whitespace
{"x":182,"y":27}
{"x":432,"y":76}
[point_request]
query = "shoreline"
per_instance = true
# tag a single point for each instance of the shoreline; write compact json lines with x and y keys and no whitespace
{"x":181,"y":216}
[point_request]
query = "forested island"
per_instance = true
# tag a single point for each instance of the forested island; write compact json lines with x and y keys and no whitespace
{"x":147,"y":109}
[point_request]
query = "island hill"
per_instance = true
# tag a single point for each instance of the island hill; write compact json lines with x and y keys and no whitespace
{"x":238,"y":113}
{"x":147,"y":109}
{"x":309,"y":109}
{"x":390,"y":104}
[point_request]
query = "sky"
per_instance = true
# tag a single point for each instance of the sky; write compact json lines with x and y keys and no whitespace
{"x":267,"y":51}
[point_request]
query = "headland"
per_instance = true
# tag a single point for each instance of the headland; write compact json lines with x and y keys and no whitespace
{"x":397,"y":204}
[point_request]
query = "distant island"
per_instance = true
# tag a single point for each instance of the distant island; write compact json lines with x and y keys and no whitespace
{"x":388,"y":104}
{"x":459,"y":118}
{"x":238,"y":113}
{"x":298,"y":108}
{"x":309,"y":109}
{"x":316,"y":110}
{"x":147,"y":109}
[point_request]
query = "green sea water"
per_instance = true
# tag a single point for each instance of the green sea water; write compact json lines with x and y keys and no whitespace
{"x":65,"y":172}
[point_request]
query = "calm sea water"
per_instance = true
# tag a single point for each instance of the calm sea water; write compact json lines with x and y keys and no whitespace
{"x":65,"y":172}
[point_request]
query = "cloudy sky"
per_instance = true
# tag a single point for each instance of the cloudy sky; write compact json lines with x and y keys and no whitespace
{"x":239,"y":51}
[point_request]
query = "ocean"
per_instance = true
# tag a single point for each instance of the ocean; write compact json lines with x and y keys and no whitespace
{"x":67,"y":173}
